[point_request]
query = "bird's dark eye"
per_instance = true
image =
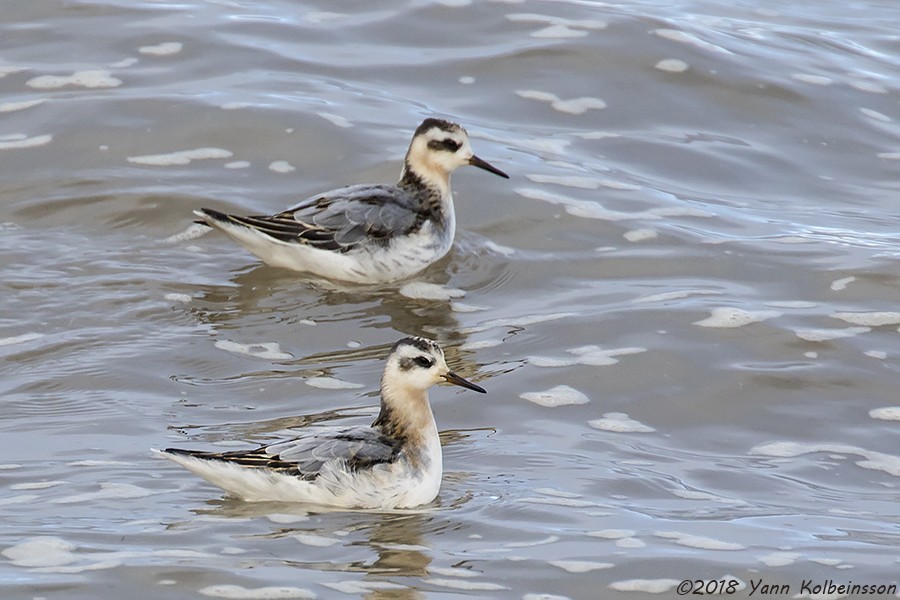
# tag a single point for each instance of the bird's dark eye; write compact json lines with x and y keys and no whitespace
{"x":447,"y":144}
{"x":423,"y":362}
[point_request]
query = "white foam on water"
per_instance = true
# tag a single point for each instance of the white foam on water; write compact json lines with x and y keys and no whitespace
{"x":163,"y":49}
{"x":706,"y":497}
{"x":648,"y":586}
{"x":237,"y":164}
{"x":812,"y":79}
{"x":519,"y":322}
{"x":37,"y":485}
{"x":620,"y":423}
{"x":287,"y":518}
{"x":267,"y":350}
{"x":9,"y":70}
{"x":335,"y":120}
{"x":550,"y":539}
{"x":779,"y":559}
{"x":573,"y":106}
{"x":317,"y":541}
{"x":107,"y":491}
{"x":556,"y":493}
{"x":181,"y":157}
{"x":876,"y":461}
{"x":422,"y":290}
{"x":841,"y":284}
{"x":561,"y":395}
{"x":594,"y":210}
{"x":262,"y":593}
{"x":612,"y":534}
{"x":14,"y":106}
{"x":99,"y":463}
{"x":18,"y":141}
{"x":640,"y":235}
{"x":362,"y":588}
{"x":696,"y":541}
{"x":232,"y":551}
{"x":869,"y":319}
{"x":580,"y":566}
{"x":728,"y":317}
{"x":630,"y":542}
{"x":824,"y":335}
{"x":879,"y":354}
{"x":21,"y":339}
{"x":683,"y":37}
{"x":10,"y":466}
{"x":676,"y":295}
{"x":453,"y":572}
{"x":281,"y":166}
{"x":672,"y":65}
{"x":467,"y":80}
{"x":791,"y":304}
{"x":95,"y":78}
{"x":482,"y":344}
{"x":331,"y":383}
{"x":235,"y":105}
{"x":464,"y":584}
{"x":175,"y":297}
{"x":868,"y":86}
{"x":886,"y":413}
{"x":46,"y":551}
{"x":589,"y":355}
{"x":875,"y":115}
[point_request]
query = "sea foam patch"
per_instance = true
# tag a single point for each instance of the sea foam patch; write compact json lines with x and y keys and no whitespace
{"x":422,"y":290}
{"x":648,"y":586}
{"x":560,"y":395}
{"x":21,"y":105}
{"x":18,"y":141}
{"x":887,"y":413}
{"x":181,"y":157}
{"x":331,"y":383}
{"x":163,"y":49}
{"x":876,"y":461}
{"x":618,"y":422}
{"x":696,"y":541}
{"x":729,"y":317}
{"x":869,"y":319}
{"x":825,"y":335}
{"x":96,"y":78}
{"x":261,"y":593}
{"x":573,"y":106}
{"x":267,"y":350}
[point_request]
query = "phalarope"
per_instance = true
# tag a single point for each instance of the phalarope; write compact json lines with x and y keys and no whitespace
{"x":394,"y":463}
{"x":369,"y":233}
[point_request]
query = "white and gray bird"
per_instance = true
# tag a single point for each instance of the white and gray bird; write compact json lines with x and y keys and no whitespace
{"x":368,"y":233}
{"x":394,"y":463}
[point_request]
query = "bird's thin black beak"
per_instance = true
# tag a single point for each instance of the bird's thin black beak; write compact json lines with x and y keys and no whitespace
{"x":483,"y":164}
{"x":455,"y":379}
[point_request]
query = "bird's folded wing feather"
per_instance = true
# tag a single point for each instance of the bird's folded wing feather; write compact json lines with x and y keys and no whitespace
{"x":340,"y":220}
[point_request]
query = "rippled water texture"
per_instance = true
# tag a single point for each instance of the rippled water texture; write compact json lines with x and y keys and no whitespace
{"x":684,"y":304}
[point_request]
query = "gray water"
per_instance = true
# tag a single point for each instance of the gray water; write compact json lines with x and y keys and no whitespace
{"x":683,"y":304}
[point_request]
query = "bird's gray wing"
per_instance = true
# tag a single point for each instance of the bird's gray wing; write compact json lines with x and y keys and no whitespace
{"x":341,"y":219}
{"x":304,"y":457}
{"x":358,"y":447}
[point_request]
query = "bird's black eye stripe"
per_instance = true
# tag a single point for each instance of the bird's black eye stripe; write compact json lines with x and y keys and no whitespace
{"x":446,"y":144}
{"x":423,"y":362}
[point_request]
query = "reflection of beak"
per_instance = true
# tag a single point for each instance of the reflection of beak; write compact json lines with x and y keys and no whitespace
{"x":483,"y":164}
{"x":455,"y":379}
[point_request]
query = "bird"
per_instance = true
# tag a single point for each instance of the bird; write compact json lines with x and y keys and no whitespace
{"x":367,"y":233}
{"x":394,"y":463}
